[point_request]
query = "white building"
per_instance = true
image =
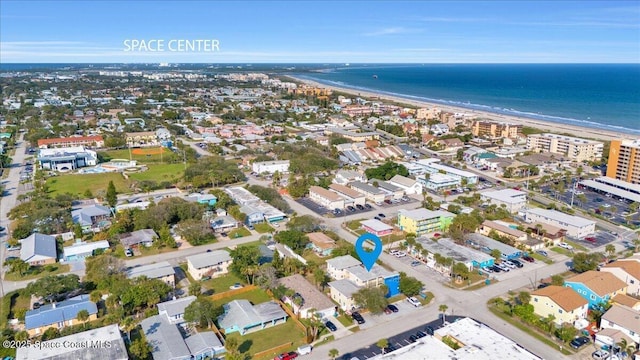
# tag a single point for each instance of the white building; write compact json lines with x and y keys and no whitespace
{"x":576,"y":226}
{"x":271,"y":167}
{"x":513,"y":199}
{"x":67,"y":159}
{"x":624,"y":319}
{"x":576,"y":149}
{"x":350,"y":196}
{"x":409,"y":186}
{"x":211,"y":264}
{"x":627,"y":270}
{"x":326,"y":198}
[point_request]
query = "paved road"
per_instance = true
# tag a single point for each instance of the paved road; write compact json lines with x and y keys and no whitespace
{"x":8,"y":201}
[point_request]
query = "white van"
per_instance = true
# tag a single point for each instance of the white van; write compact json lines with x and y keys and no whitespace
{"x":305,"y":349}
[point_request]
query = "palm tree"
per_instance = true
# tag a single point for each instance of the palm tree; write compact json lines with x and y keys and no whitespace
{"x":625,"y":347}
{"x":524,"y":297}
{"x":610,"y":249}
{"x":83,"y":316}
{"x":443,"y":309}
{"x":128,"y":324}
{"x":334,"y":353}
{"x":382,"y":344}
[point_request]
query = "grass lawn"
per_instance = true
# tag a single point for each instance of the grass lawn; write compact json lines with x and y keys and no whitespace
{"x":576,"y":246}
{"x":269,"y":338}
{"x":152,"y":250}
{"x":354,"y":224}
{"x":310,"y":255}
{"x":345,"y":320}
{"x":263,"y":228}
{"x":473,"y":278}
{"x":79,"y":183}
{"x":166,"y":156}
{"x":427,"y":300}
{"x":160,"y":173}
{"x":256,"y":296}
{"x":541,"y":258}
{"x":222,"y":284}
{"x":238,"y":233}
{"x":562,"y":251}
{"x":37,"y":272}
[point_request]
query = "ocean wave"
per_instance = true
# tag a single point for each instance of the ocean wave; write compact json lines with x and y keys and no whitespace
{"x":483,"y":107}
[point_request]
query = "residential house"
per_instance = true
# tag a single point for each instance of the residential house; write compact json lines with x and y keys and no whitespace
{"x":547,"y":232}
{"x":627,"y":270}
{"x":576,"y":226}
{"x":341,"y":291}
{"x":59,"y":315}
{"x":562,"y":303}
{"x":80,"y":250}
{"x":38,"y":249}
{"x":628,"y":301}
{"x":321,"y":243}
{"x":370,"y":192}
{"x":349,"y":268}
{"x":392,"y":192}
{"x":144,"y":237}
{"x":596,"y":287}
{"x":624,"y":319}
{"x":409,"y":186}
{"x":209,"y":264}
{"x":92,"y":218}
{"x":109,"y":339}
{"x":174,"y":309}
{"x":450,"y":144}
{"x":205,"y":199}
{"x":376,"y":227}
{"x":336,"y":267}
{"x":240,"y":316}
{"x":170,"y":341}
{"x":162,"y":271}
{"x":510,"y":233}
{"x":326,"y":198}
{"x":224,"y":223}
{"x":312,"y":298}
{"x":513,"y":200}
{"x":141,"y":139}
{"x":271,"y":167}
{"x":438,"y":182}
{"x":349,"y":196}
{"x":422,"y":221}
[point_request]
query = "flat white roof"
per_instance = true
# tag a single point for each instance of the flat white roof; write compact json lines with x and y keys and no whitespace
{"x":611,"y":190}
{"x":510,"y":196}
{"x":571,"y":220}
{"x":619,"y":183}
{"x":479,"y":343}
{"x":438,"y":178}
{"x":376,"y":225}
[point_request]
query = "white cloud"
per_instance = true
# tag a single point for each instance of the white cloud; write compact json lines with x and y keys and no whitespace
{"x":392,"y":31}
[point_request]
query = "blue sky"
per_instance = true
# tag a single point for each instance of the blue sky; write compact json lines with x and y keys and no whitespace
{"x":321,"y":32}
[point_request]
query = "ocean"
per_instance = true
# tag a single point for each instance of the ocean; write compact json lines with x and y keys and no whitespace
{"x":601,"y":96}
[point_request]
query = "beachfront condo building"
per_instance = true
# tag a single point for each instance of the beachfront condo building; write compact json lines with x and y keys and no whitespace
{"x":575,"y":149}
{"x":496,"y":130}
{"x":624,"y":161}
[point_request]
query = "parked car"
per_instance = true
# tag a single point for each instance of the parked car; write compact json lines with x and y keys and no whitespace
{"x":413,"y":338}
{"x":400,"y":254}
{"x":579,"y":342}
{"x":393,"y":308}
{"x":420,"y":334}
{"x":367,"y":206}
{"x":600,"y":354}
{"x":128,"y":252}
{"x":487,"y":269}
{"x":517,"y":263}
{"x":377,"y":218}
{"x":305,"y":349}
{"x":502,"y":267}
{"x":360,"y":207}
{"x":351,"y":208}
{"x":528,"y":258}
{"x":415,"y":263}
{"x":388,"y":202}
{"x":331,"y":326}
{"x":286,"y":356}
{"x":508,"y":264}
{"x":413,"y":301}
{"x":429,"y":330}
{"x":357,"y":317}
{"x":566,"y":246}
{"x":381,"y":215}
{"x":495,"y":268}
{"x":542,"y":252}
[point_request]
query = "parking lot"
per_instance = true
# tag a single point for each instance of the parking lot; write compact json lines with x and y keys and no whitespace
{"x":373,"y":320}
{"x":600,"y":238}
{"x":321,"y":210}
{"x":408,"y":200}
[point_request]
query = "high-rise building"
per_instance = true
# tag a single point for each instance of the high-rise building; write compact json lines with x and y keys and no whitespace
{"x":575,"y":149}
{"x":494,"y":129}
{"x":624,"y":161}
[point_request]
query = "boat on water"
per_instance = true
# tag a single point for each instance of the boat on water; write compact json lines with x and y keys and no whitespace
{"x":375,"y":76}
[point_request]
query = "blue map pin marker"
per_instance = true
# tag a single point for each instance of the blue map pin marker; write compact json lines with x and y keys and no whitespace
{"x":368,"y":258}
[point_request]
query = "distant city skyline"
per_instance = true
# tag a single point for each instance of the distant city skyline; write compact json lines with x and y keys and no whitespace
{"x":324,"y":32}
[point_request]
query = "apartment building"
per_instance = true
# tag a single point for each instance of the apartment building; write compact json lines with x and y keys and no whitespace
{"x":271,"y":167}
{"x":423,"y":221}
{"x":575,"y":226}
{"x":624,"y":161}
{"x":326,"y":198}
{"x":575,"y":149}
{"x":494,"y":129}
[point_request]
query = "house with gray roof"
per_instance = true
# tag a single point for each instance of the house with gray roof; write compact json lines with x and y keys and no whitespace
{"x":38,"y":249}
{"x":144,"y":237}
{"x":162,"y":271}
{"x":92,"y":218}
{"x":312,"y":298}
{"x":341,"y":291}
{"x":109,"y":337}
{"x":80,"y":250}
{"x":242,"y":316}
{"x":174,"y":309}
{"x":59,"y":315}
{"x":209,"y":264}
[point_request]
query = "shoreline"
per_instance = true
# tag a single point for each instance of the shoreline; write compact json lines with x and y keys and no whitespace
{"x":577,"y":131}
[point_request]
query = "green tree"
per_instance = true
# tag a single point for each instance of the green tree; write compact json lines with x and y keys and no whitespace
{"x":21,"y":336}
{"x":372,"y":298}
{"x":243,"y":257}
{"x":409,"y":285}
{"x":50,"y":333}
{"x":524,"y":297}
{"x":557,"y":280}
{"x":196,"y":231}
{"x":83,"y":316}
{"x":314,"y":325}
{"x":232,"y":345}
{"x":195,"y":288}
{"x":203,"y":312}
{"x":112,"y":195}
{"x":140,"y":348}
{"x":50,"y":286}
{"x":294,"y":239}
{"x":497,"y":254}
{"x":443,"y":309}
{"x":382,"y":344}
{"x":566,"y":332}
{"x":460,"y":269}
{"x":320,"y":277}
{"x":586,"y":261}
{"x":333,"y":353}
{"x":165,"y":238}
{"x":17,"y":266}
{"x":610,"y":249}
{"x":386,"y":171}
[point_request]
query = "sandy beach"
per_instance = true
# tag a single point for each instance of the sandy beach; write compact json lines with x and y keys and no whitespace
{"x":578,"y":131}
